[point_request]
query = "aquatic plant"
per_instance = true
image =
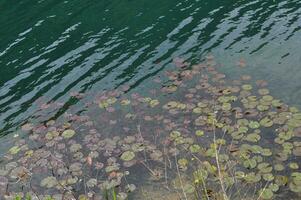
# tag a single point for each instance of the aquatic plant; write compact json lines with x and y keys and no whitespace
{"x":195,"y":135}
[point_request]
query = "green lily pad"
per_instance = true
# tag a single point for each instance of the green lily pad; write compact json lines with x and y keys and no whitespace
{"x":253,"y":137}
{"x":266,"y":122}
{"x":250,"y":163}
{"x":183,"y":162}
{"x":266,"y":152}
{"x":281,"y":180}
{"x":175,"y":134}
{"x":49,"y":182}
{"x":264,"y":167}
{"x":274,"y":187}
{"x":297,"y":151}
{"x":154,"y":103}
{"x":199,"y":133}
{"x":197,"y":110}
{"x":195,"y":148}
{"x":268,"y":177}
{"x":127,"y":156}
{"x":254,"y":124}
{"x":68,"y":134}
{"x":263,"y":91}
{"x":247,"y":87}
{"x":279,"y":167}
{"x":14,"y":150}
{"x":266,"y":193}
{"x":294,"y":165}
{"x":252,"y":177}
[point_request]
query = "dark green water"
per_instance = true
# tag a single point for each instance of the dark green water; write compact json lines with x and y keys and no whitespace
{"x":50,"y":48}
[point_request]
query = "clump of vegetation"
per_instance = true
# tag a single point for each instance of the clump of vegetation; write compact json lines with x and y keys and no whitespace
{"x":195,"y":135}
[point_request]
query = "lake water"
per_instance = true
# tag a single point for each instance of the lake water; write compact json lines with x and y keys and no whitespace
{"x":58,"y":57}
{"x":51,"y":48}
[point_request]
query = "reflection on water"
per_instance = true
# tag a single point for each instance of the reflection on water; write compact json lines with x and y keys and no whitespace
{"x":49,"y":49}
{"x":196,"y":134}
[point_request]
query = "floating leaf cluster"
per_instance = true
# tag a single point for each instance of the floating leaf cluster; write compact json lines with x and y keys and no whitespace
{"x":196,"y":132}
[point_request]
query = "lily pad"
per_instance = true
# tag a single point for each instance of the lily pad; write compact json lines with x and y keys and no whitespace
{"x":199,"y":133}
{"x":49,"y":182}
{"x":195,"y":148}
{"x":68,"y":133}
{"x":127,"y":156}
{"x":266,"y":122}
{"x":266,"y":193}
{"x":14,"y":150}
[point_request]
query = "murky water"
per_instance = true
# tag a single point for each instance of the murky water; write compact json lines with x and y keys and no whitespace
{"x":149,"y":100}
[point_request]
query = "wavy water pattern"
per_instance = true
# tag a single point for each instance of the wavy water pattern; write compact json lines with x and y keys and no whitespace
{"x":51,"y":48}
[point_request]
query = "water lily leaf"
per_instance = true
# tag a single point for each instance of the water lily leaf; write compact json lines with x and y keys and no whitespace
{"x":263,"y":91}
{"x":278,"y":167}
{"x":154,"y":103}
{"x":274,"y":187}
{"x":239,"y":174}
{"x":266,"y":152}
{"x":51,"y":135}
{"x":91,"y":183}
{"x":252,"y":177}
{"x":267,"y":98}
{"x":68,"y":133}
{"x":127,"y":156}
{"x":103,"y":104}
{"x":111,"y":100}
{"x":295,"y":187}
{"x":49,"y":182}
{"x":14,"y":150}
{"x":253,"y":137}
{"x":125,"y":102}
{"x":199,"y":133}
{"x":281,"y":180}
{"x":268,"y":177}
{"x":72,"y":180}
{"x":297,"y":151}
{"x":237,"y":135}
{"x":263,"y":108}
{"x":183,"y":162}
{"x":276,"y":103}
{"x":266,"y":193}
{"x":200,"y":175}
{"x":294,"y":165}
{"x":282,"y":156}
{"x":197,"y":110}
{"x":175,"y":134}
{"x":264,"y":167}
{"x":226,"y":106}
{"x":254,"y":124}
{"x":266,"y":122}
{"x":195,"y":148}
{"x":247,"y":87}
{"x":250,"y":163}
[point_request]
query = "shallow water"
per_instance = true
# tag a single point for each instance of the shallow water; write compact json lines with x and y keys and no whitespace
{"x":51,"y":48}
{"x":178,"y":68}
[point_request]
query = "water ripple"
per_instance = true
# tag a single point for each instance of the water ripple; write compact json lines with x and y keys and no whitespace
{"x":51,"y":48}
